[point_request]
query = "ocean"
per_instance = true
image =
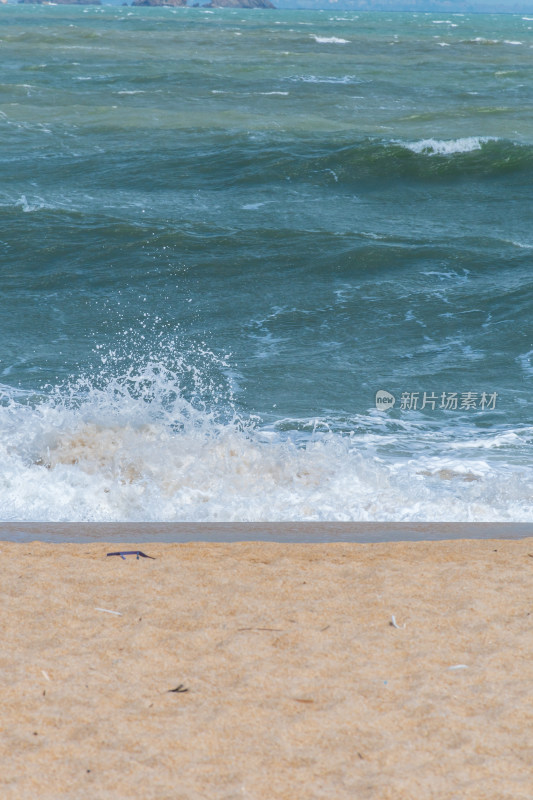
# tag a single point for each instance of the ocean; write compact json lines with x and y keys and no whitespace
{"x":265,"y":265}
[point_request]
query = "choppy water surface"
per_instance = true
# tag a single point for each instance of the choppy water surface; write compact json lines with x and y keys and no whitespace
{"x":224,"y":231}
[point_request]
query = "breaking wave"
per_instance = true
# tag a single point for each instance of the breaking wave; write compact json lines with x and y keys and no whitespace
{"x":248,"y":163}
{"x":329,"y":40}
{"x":158,"y":444}
{"x":433,"y":147}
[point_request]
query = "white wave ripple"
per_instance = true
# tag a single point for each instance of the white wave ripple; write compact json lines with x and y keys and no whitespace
{"x":447,"y":147}
{"x":329,"y":39}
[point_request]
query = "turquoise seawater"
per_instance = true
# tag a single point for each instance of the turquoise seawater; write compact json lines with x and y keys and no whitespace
{"x":224,"y":231}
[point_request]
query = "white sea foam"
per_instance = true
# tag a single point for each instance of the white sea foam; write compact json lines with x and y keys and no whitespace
{"x":521,"y":245}
{"x":329,"y":39}
{"x":146,"y":447}
{"x":252,"y":206}
{"x":37,"y":204}
{"x":481,"y":40}
{"x":446,"y":147}
{"x":345,"y":79}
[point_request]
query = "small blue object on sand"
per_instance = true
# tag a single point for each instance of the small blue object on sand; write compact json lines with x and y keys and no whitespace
{"x":125,"y":553}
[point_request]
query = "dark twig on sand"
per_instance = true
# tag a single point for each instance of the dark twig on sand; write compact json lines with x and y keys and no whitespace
{"x":125,"y":553}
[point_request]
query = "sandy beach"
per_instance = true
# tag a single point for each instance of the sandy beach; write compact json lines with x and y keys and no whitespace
{"x":391,"y":671}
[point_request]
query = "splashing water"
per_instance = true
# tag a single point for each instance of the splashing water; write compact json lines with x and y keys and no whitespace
{"x":164,"y":441}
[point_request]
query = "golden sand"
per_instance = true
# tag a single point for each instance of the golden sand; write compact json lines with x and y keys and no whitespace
{"x":398,"y":671}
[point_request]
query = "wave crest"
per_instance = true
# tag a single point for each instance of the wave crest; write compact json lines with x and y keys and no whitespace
{"x":145,"y":447}
{"x":447,"y":147}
